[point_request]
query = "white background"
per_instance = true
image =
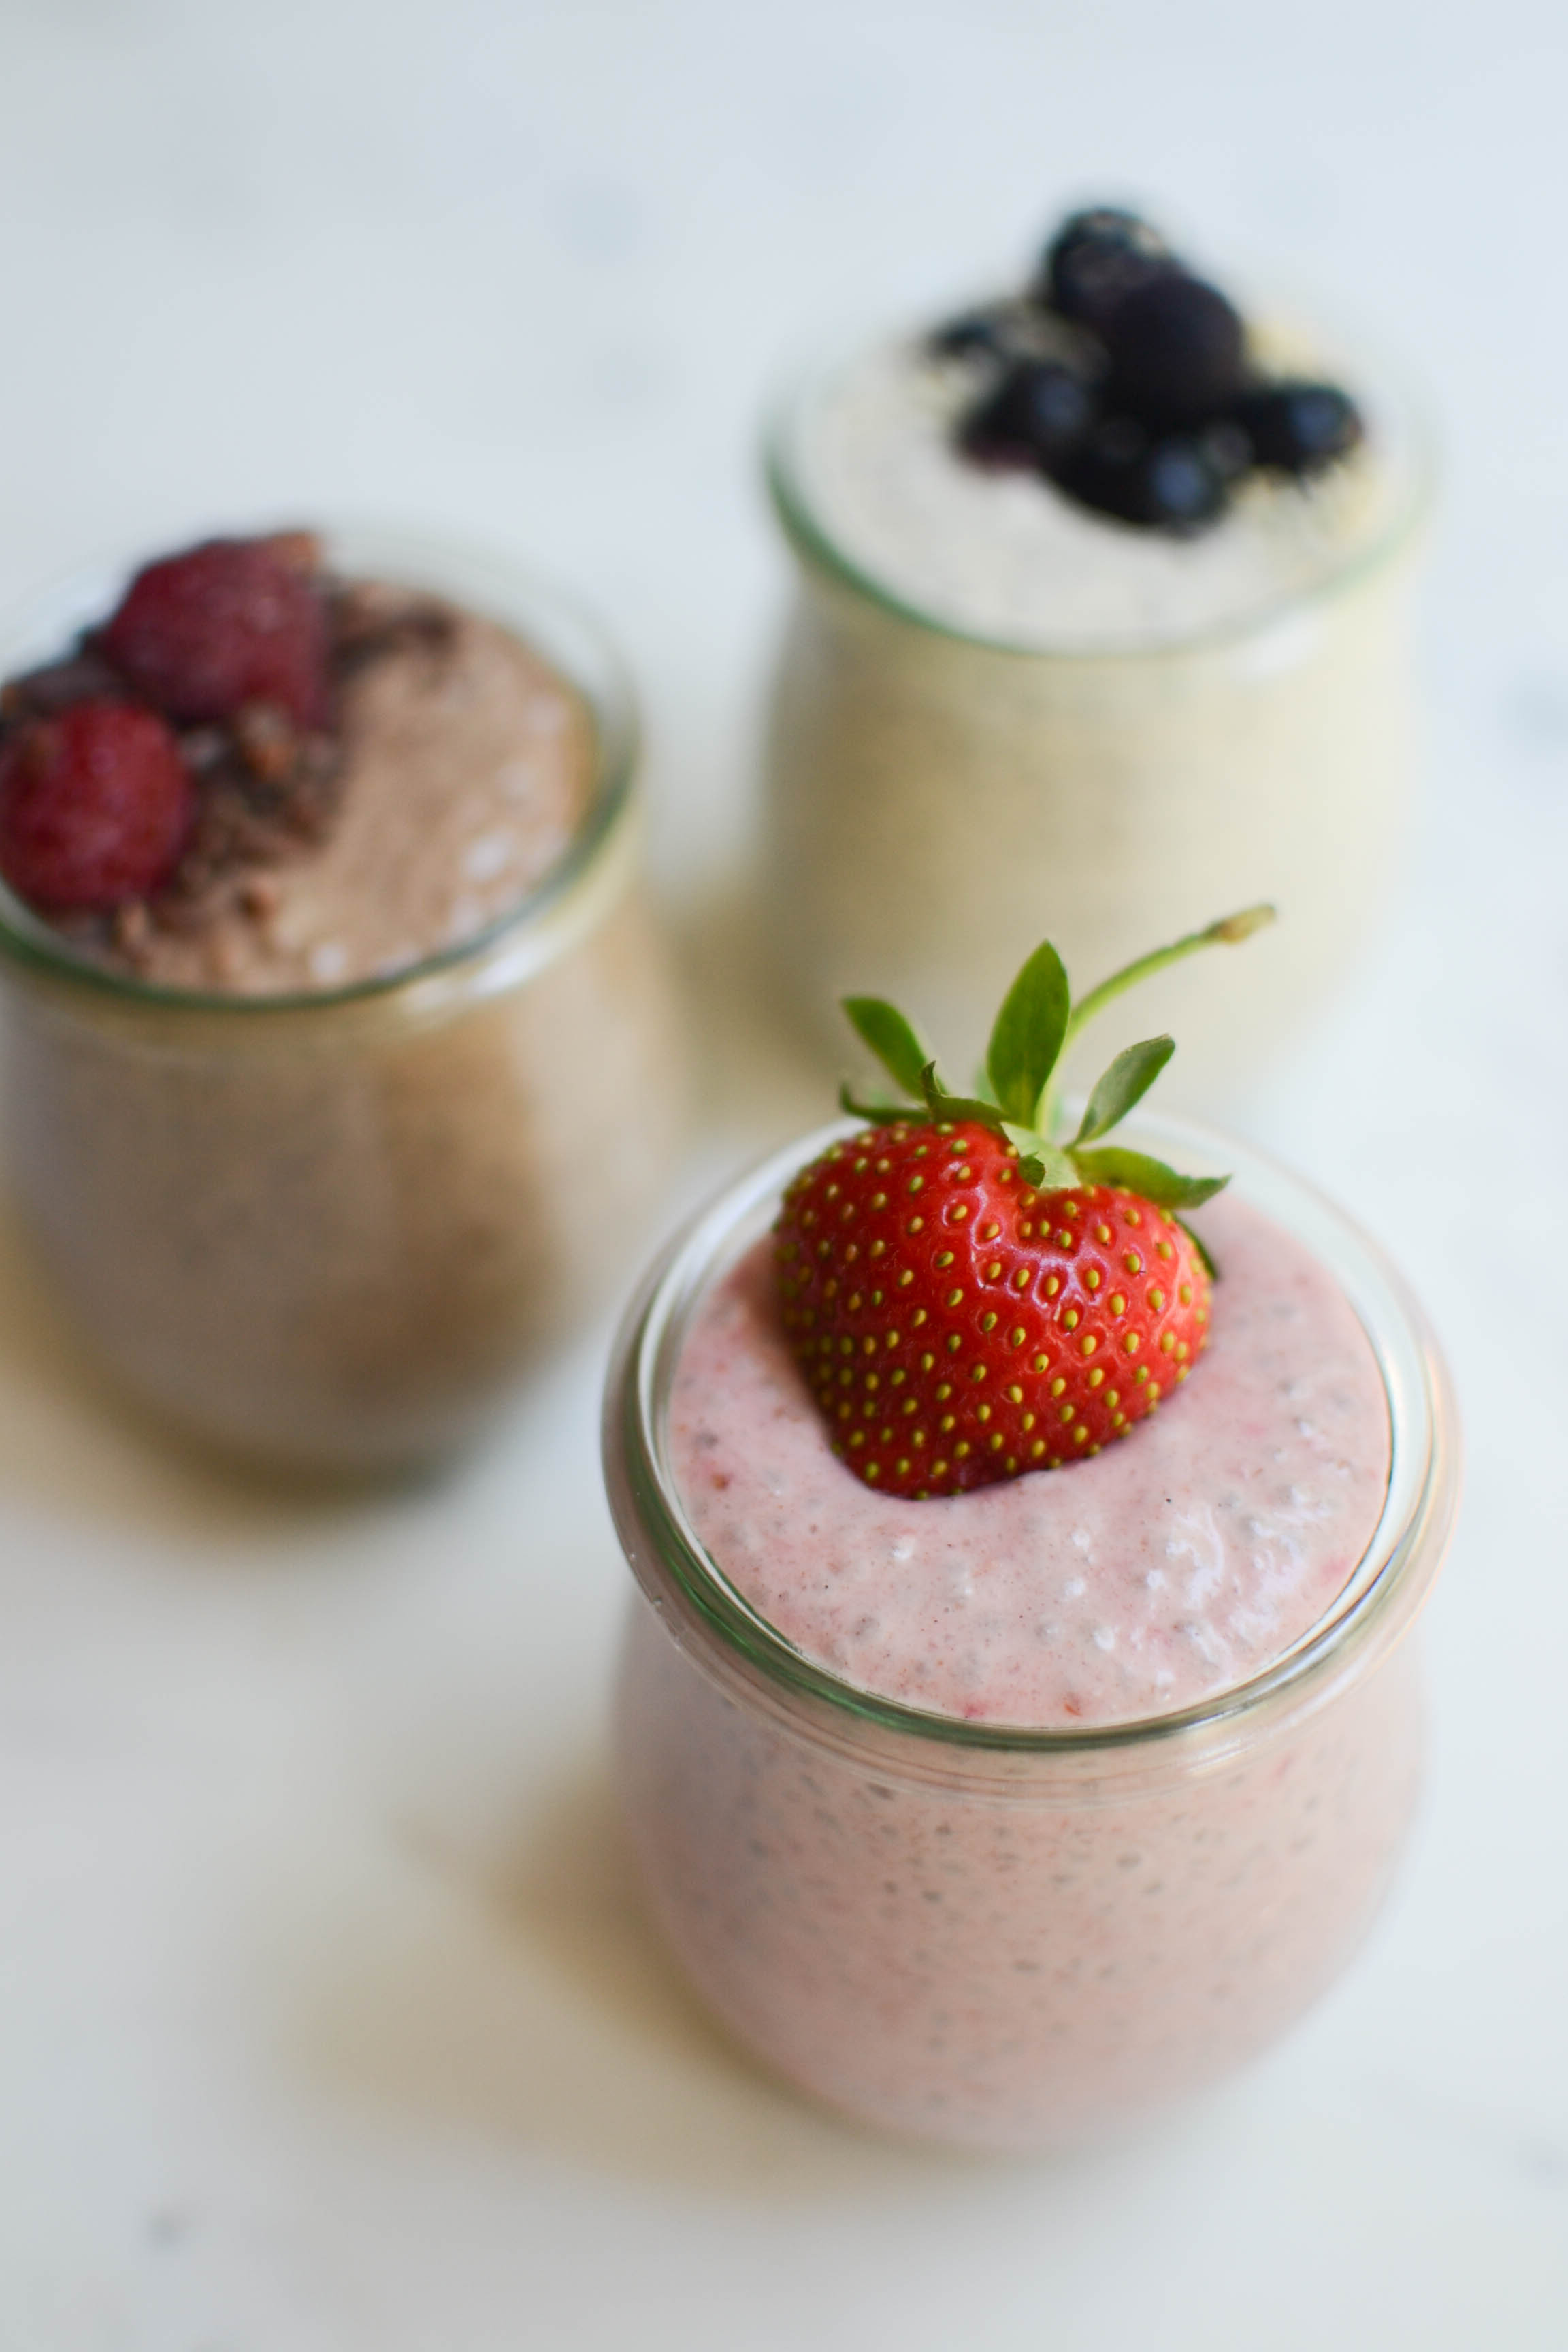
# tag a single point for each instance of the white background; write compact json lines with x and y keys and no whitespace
{"x":327,"y":2021}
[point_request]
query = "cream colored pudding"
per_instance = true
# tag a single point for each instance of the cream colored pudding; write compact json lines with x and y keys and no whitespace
{"x":1006,"y":1819}
{"x":324,"y":1146}
{"x":1000,"y":554}
{"x":997,"y":713}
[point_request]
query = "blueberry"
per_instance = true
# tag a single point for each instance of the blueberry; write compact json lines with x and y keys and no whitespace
{"x":1297,"y":428}
{"x":974,"y":333}
{"x":1038,"y":412}
{"x":1171,"y":483}
{"x":1098,"y":258}
{"x":1107,"y":471}
{"x":1228,"y":447}
{"x":1177,"y":352}
{"x":1184,"y":487}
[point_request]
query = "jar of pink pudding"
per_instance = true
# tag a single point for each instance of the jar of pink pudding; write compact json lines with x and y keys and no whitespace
{"x":1008,"y":1818}
{"x":322,"y":1148}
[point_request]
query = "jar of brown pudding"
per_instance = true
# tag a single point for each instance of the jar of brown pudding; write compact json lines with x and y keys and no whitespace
{"x":329,"y":1216}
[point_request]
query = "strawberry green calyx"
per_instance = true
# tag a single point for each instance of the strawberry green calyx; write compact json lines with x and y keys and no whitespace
{"x":1038,"y":1023}
{"x":969,"y":1291}
{"x":1230,"y":931}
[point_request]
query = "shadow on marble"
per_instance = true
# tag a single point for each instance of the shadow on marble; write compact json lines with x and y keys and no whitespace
{"x":759,"y":1070}
{"x":538,"y":2008}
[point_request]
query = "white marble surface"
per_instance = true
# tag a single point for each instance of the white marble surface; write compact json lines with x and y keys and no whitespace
{"x":326,"y":2021}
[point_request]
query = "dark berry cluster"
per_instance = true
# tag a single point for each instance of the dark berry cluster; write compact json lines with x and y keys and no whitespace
{"x":1125,"y":380}
{"x":195,"y":722}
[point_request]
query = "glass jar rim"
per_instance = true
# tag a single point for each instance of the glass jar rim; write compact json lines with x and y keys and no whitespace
{"x":551,"y":619}
{"x":817,"y":547}
{"x":1405,"y":1551}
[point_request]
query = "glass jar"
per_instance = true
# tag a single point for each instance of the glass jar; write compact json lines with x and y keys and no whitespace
{"x":1014,"y":1938}
{"x":333,"y":1229}
{"x":936,"y":800}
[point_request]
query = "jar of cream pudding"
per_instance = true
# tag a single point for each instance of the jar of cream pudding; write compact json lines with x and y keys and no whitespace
{"x":997,"y":713}
{"x":320,"y":1147}
{"x":1010,"y":1817}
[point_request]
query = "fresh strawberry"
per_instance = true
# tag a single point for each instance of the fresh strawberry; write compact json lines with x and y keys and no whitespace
{"x":959,"y":1325}
{"x":970,"y":1300}
{"x":232,"y":622}
{"x":95,"y":806}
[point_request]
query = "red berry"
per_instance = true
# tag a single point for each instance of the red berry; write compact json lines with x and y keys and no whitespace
{"x":231,"y":622}
{"x":958,"y":1326}
{"x":95,"y":806}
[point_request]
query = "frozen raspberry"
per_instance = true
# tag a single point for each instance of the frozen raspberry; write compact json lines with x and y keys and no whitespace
{"x":95,"y":806}
{"x":231,"y":622}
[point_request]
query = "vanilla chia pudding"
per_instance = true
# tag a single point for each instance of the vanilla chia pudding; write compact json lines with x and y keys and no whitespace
{"x":327,"y":1122}
{"x":1009,"y":1818}
{"x":1000,"y":709}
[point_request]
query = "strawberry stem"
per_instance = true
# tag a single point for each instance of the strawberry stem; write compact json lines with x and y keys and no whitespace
{"x":1229,"y":932}
{"x":1022,"y":1073}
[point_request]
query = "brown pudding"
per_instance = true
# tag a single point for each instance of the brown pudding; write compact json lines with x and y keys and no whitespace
{"x":323,"y":1141}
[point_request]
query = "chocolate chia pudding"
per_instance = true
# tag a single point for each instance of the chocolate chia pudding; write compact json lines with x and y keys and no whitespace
{"x":341,"y":1053}
{"x":1005,"y":703}
{"x":1009,"y":1818}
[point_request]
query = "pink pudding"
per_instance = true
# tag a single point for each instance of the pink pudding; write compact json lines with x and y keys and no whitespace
{"x":1176,"y":1564}
{"x":1007,"y":1818}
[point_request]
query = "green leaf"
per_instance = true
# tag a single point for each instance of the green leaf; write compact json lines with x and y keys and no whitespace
{"x":1046,"y":1167}
{"x":1028,"y":1034}
{"x":890,"y":1037}
{"x":1196,"y":1240}
{"x":1140,"y":1174}
{"x":1126,"y":1082}
{"x":878,"y":1114}
{"x":956,"y":1106}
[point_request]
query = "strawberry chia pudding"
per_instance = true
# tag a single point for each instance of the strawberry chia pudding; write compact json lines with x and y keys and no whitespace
{"x":328,"y":978}
{"x":1102,"y":617}
{"x":1163,"y":1573}
{"x":1006,"y":1814}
